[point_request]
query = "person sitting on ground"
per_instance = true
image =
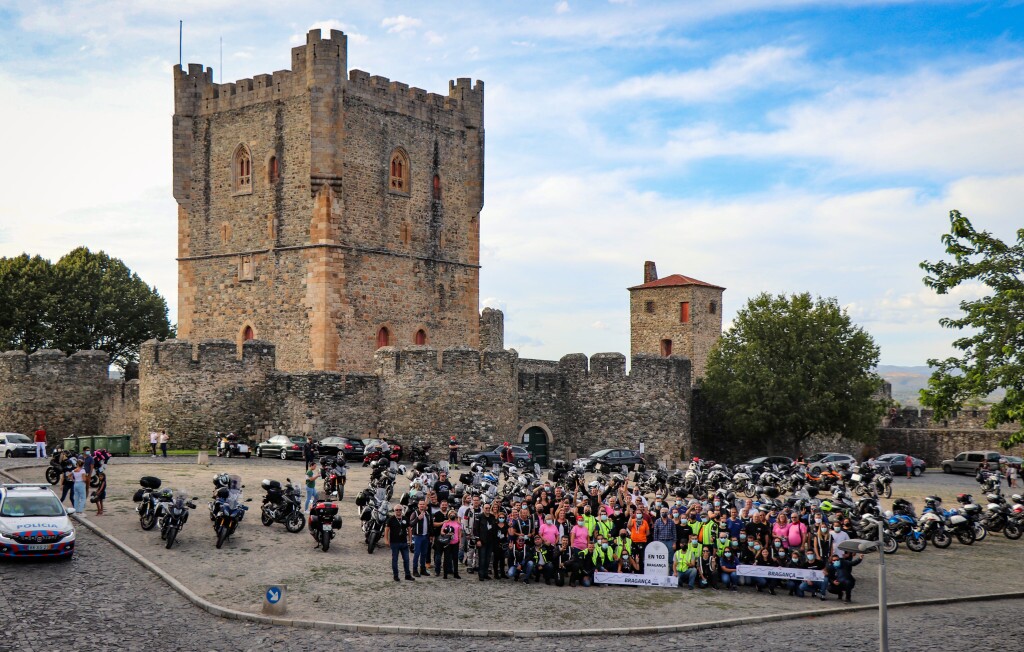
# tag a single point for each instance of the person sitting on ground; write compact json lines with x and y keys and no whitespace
{"x":840,"y":576}
{"x":707,"y":569}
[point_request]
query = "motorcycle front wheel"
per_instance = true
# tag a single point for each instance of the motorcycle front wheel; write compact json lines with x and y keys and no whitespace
{"x":52,"y":475}
{"x":889,"y":544}
{"x":980,"y":531}
{"x":916,"y":544}
{"x":147,"y":520}
{"x":942,"y":540}
{"x":1012,"y":531}
{"x":371,"y":542}
{"x":171,"y":534}
{"x":266,"y":520}
{"x":222,"y":535}
{"x":965,"y":537}
{"x":295,"y":522}
{"x":748,"y":491}
{"x":888,"y":491}
{"x":859,"y":490}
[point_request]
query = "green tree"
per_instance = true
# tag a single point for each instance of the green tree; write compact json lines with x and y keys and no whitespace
{"x":101,"y":304}
{"x":26,"y":288}
{"x":793,"y":367}
{"x":993,"y":344}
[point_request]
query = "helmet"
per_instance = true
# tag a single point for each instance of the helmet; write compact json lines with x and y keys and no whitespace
{"x":826,"y":506}
{"x":593,"y":484}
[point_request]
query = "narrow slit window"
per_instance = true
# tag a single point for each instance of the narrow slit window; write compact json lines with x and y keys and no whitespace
{"x":684,"y":312}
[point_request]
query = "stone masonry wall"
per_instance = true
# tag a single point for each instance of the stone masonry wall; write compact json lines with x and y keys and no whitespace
{"x":64,"y":394}
{"x":693,"y":340}
{"x":466,"y":393}
{"x":593,"y":404}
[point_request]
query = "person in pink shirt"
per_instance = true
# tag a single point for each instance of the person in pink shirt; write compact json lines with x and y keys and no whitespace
{"x":548,"y":530}
{"x":579,"y":536}
{"x":452,"y":528}
{"x":781,"y":529}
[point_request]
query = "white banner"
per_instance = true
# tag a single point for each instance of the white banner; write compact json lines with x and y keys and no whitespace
{"x":773,"y":572}
{"x":635,"y":580}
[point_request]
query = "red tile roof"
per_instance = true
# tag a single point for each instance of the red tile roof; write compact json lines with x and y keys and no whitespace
{"x":675,"y":280}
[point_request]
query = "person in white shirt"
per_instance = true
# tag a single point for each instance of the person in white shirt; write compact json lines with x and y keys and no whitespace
{"x":164,"y":438}
{"x":153,"y":436}
{"x":838,"y":536}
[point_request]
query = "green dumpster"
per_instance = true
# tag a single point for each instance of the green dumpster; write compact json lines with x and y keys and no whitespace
{"x":119,"y":445}
{"x":99,"y":442}
{"x":78,"y":443}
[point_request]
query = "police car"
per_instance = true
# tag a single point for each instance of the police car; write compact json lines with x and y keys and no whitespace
{"x":33,"y":523}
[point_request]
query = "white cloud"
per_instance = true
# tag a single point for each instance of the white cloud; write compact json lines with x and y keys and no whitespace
{"x":433,"y":38}
{"x":962,"y":123}
{"x":760,"y":68}
{"x":562,"y":7}
{"x":401,"y":23}
{"x":599,"y":325}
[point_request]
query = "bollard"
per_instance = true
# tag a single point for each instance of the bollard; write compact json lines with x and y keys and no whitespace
{"x":274,"y":599}
{"x":203,"y":459}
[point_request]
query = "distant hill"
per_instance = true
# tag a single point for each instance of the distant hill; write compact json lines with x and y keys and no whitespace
{"x":907,"y":382}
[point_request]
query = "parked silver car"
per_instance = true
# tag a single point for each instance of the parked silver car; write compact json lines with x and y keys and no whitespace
{"x":970,"y":461}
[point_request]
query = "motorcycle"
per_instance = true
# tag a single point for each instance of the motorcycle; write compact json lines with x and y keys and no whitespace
{"x":383,"y":475}
{"x":324,"y":523}
{"x":60,"y":462}
{"x":867,"y":528}
{"x":282,"y":505}
{"x":173,"y":515}
{"x":334,"y":472}
{"x":972,"y":512}
{"x":229,"y":446}
{"x":902,"y":523}
{"x":149,"y":500}
{"x":375,"y":510}
{"x":381,"y":449}
{"x":999,"y":517}
{"x":420,"y":452}
{"x":226,"y":509}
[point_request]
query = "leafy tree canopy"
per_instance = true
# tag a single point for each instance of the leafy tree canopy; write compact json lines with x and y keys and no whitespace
{"x":85,"y":301}
{"x":993,"y":342}
{"x":793,"y":367}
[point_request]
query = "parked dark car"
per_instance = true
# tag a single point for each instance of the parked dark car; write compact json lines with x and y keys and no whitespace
{"x":613,"y":457}
{"x":522,"y":457}
{"x":897,"y":463}
{"x":758,"y":464}
{"x":350,"y":447}
{"x":282,"y":446}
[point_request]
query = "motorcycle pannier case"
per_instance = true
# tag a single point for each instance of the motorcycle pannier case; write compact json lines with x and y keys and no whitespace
{"x":324,"y":509}
{"x":271,"y":485}
{"x":150,"y":482}
{"x":366,"y":514}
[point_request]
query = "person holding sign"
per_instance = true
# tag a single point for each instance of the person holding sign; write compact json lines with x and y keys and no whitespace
{"x":814,"y":562}
{"x":727,"y":569}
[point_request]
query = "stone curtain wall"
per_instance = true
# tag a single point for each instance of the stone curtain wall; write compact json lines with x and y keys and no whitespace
{"x":466,"y":393}
{"x":593,"y":404}
{"x":322,"y":404}
{"x":64,"y":394}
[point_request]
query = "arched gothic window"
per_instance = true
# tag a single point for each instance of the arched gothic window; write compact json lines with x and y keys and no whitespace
{"x":420,"y":337}
{"x":241,"y":167}
{"x":383,"y":337}
{"x":398,"y":177}
{"x":248,"y":334}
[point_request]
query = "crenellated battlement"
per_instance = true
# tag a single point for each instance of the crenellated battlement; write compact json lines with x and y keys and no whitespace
{"x":215,"y":354}
{"x":419,"y":361}
{"x":463,"y":97}
{"x":80,"y":366}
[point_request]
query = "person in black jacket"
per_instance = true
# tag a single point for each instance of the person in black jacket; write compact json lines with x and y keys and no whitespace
{"x":544,"y":560}
{"x":520,"y":560}
{"x":485,"y":531}
{"x":707,"y":569}
{"x":564,"y":561}
{"x":814,"y":562}
{"x":763,"y":557}
{"x":840,"y":576}
{"x":796,"y":561}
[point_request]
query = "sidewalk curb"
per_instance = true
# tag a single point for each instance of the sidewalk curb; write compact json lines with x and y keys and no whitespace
{"x":232,"y":614}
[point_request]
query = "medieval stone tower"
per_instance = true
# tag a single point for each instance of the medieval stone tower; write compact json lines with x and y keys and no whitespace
{"x":675,"y":315}
{"x":327,"y":211}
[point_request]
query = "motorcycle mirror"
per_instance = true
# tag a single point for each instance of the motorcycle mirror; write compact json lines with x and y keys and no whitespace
{"x":248,"y":500}
{"x":195,"y":497}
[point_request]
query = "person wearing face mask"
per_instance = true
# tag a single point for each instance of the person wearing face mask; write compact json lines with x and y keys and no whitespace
{"x":756,"y":530}
{"x":639,"y":533}
{"x":589,"y":521}
{"x":727,"y":569}
{"x":604,"y":556}
{"x":583,"y":571}
{"x":543,"y":560}
{"x":779,"y":551}
{"x":547,"y":530}
{"x":563,"y":560}
{"x":722,"y":543}
{"x":707,"y":530}
{"x":707,"y":569}
{"x":763,"y":557}
{"x":501,"y":547}
{"x":665,"y":530}
{"x":821,"y":542}
{"x":623,"y":546}
{"x":814,"y":562}
{"x":579,"y":535}
{"x":619,"y":519}
{"x":604,"y":526}
{"x":838,"y":536}
{"x":839,"y":576}
{"x":684,"y":563}
{"x":796,"y":561}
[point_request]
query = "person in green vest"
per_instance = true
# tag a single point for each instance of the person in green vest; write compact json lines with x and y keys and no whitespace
{"x":604,"y":526}
{"x":722,"y":543}
{"x":685,"y":562}
{"x":707,"y":531}
{"x":623,"y":546}
{"x":604,"y":555}
{"x":589,"y":522}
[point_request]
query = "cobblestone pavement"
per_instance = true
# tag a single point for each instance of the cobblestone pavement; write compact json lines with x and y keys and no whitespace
{"x":102,"y":600}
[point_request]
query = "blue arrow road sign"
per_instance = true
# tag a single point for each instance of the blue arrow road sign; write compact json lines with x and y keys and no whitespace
{"x":273,"y":595}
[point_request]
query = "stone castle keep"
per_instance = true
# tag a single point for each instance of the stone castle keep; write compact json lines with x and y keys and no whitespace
{"x":329,"y":268}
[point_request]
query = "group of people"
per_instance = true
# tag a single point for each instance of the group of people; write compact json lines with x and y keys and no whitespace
{"x":158,"y":439}
{"x":75,"y":481}
{"x":557,"y":537}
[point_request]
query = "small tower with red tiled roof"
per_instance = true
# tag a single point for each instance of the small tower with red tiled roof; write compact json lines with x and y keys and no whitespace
{"x":675,"y":315}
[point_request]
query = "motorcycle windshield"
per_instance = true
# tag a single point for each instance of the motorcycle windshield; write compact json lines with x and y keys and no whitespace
{"x":235,"y":482}
{"x":380,"y":495}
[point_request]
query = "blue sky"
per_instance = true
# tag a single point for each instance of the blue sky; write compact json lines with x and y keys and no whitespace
{"x":778,"y":146}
